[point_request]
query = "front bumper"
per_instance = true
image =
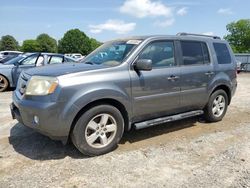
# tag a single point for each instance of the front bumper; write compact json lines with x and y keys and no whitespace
{"x":50,"y":121}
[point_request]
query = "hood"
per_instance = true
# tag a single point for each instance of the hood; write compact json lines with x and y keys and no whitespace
{"x":62,"y":69}
{"x":4,"y":66}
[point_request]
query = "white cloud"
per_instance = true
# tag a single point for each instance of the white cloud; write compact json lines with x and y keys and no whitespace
{"x":165,"y":23}
{"x":145,"y":8}
{"x":225,"y":11}
{"x":182,"y":11}
{"x":118,"y":26}
{"x":208,"y":33}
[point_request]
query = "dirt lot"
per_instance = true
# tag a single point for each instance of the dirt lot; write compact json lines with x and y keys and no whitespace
{"x":187,"y":153}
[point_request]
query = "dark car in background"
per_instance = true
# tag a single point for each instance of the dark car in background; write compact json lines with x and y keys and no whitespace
{"x":8,"y":55}
{"x":10,"y":70}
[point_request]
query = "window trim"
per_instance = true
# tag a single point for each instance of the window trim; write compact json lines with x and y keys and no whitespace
{"x":160,"y":40}
{"x":197,"y":41}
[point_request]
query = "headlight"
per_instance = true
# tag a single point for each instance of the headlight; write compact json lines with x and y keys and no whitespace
{"x":41,"y":85}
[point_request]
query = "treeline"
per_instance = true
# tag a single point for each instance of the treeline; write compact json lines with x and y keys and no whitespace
{"x":73,"y":41}
{"x":76,"y":41}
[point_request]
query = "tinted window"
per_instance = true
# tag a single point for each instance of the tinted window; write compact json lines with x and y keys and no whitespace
{"x":222,"y":53}
{"x":194,"y":53}
{"x":161,"y":53}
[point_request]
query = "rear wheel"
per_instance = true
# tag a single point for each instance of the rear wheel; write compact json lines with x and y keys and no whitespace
{"x":98,"y":130}
{"x":217,"y":106}
{"x":4,"y":84}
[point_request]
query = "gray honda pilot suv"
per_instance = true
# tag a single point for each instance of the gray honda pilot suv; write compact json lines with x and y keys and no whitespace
{"x":134,"y":82}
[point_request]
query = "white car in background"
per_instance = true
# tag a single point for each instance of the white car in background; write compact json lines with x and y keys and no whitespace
{"x":8,"y":55}
{"x":76,"y":56}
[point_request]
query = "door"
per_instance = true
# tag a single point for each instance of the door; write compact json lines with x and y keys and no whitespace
{"x":156,"y":93}
{"x":28,"y":62}
{"x":196,"y":73}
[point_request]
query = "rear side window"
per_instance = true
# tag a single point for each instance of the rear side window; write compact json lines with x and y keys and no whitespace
{"x":194,"y":53}
{"x":55,"y":60}
{"x":222,"y":53}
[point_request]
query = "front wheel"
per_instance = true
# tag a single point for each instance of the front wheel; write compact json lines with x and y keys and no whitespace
{"x":4,"y":84}
{"x":98,"y":130}
{"x":217,"y":106}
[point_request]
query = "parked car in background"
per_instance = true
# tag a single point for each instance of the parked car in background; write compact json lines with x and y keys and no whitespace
{"x":8,"y":55}
{"x":133,"y":82}
{"x":10,"y":70}
{"x":239,"y":66}
{"x":76,"y":56}
{"x":244,"y":58}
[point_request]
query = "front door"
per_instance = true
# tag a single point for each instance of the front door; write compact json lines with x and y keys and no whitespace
{"x":27,"y":63}
{"x":156,"y":93}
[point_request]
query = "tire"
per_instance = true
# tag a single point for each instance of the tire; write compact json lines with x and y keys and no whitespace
{"x":98,"y":130}
{"x":216,"y":107}
{"x":4,"y":84}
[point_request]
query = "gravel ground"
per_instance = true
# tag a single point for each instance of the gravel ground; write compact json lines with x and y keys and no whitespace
{"x":187,"y":153}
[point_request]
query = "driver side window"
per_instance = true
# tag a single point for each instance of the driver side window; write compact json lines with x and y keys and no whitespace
{"x":160,"y":52}
{"x":29,"y":60}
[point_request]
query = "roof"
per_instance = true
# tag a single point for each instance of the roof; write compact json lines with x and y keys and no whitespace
{"x":8,"y":51}
{"x":177,"y":36}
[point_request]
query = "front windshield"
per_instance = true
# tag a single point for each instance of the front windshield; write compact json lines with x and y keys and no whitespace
{"x":111,"y":53}
{"x":14,"y":60}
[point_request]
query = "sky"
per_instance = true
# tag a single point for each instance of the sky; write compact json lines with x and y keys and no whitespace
{"x":108,"y":19}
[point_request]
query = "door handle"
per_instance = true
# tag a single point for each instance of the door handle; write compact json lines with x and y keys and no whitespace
{"x":173,"y":78}
{"x":209,"y":73}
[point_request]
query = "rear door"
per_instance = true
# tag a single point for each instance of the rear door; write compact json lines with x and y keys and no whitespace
{"x":157,"y":92}
{"x":196,"y":72}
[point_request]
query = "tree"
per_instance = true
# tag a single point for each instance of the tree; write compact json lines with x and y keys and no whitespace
{"x":94,"y":44}
{"x":75,"y":41}
{"x":31,"y":46}
{"x":46,"y":43}
{"x":8,"y":42}
{"x":239,"y":35}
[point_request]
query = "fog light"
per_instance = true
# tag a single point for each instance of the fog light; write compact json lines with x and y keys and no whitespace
{"x":36,"y":120}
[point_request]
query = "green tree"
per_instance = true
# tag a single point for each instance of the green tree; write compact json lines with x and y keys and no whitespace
{"x":239,"y":35}
{"x":46,"y":43}
{"x":94,"y":44}
{"x":8,"y":42}
{"x":74,"y":41}
{"x":30,"y":46}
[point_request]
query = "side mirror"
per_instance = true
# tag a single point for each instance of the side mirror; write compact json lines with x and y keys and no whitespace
{"x":143,"y":65}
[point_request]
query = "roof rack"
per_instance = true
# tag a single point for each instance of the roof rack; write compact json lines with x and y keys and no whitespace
{"x":198,"y":35}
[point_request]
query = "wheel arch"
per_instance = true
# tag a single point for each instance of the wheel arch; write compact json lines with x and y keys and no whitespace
{"x":108,"y":101}
{"x":226,"y":89}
